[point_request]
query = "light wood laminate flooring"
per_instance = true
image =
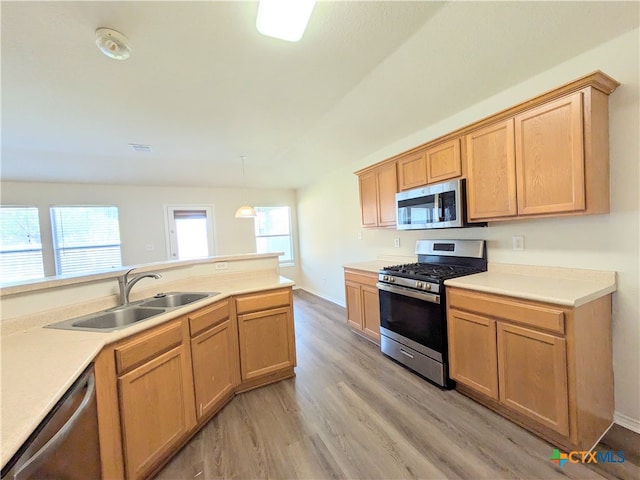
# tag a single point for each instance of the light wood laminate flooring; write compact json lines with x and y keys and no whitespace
{"x":353,"y":413}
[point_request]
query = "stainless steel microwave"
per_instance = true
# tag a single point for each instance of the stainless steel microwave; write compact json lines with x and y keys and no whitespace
{"x":441,"y":205}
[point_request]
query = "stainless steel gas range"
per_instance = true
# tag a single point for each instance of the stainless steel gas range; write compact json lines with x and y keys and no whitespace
{"x":413,"y":322}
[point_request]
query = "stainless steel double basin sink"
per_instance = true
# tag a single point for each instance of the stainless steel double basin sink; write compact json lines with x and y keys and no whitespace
{"x":127,"y":315}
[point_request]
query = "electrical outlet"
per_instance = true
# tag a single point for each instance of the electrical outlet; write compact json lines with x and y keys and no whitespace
{"x":221,"y":265}
{"x":518,"y":242}
{"x":359,"y":235}
{"x":150,"y":247}
{"x":396,"y":242}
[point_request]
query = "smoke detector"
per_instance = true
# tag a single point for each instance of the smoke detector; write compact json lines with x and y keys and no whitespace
{"x":113,"y":44}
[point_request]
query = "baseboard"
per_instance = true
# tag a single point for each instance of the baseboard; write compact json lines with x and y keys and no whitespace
{"x":325,"y":297}
{"x":627,"y":422}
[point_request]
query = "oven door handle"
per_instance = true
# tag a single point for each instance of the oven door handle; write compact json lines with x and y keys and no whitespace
{"x":407,"y":292}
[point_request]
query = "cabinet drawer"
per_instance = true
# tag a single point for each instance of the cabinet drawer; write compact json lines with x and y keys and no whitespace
{"x":144,"y":348}
{"x":263,"y":301}
{"x":207,"y":317}
{"x":362,"y":277}
{"x":536,"y":315}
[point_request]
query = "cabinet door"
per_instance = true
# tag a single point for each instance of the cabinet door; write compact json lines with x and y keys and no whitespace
{"x":354,"y":305}
{"x":369,"y":199}
{"x":443,"y":161}
{"x":550,"y":157}
{"x":472,"y":351}
{"x":412,"y":171}
{"x":491,"y":172}
{"x":370,"y":311}
{"x":533,"y":375}
{"x":387,"y":189}
{"x":214,"y":357}
{"x":266,"y":342}
{"x":153,"y":406}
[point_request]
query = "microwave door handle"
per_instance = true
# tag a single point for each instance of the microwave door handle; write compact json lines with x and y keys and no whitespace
{"x":436,"y":208}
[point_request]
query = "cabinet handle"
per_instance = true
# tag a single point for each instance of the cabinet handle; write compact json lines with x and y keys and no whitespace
{"x":201,"y":409}
{"x":404,"y":352}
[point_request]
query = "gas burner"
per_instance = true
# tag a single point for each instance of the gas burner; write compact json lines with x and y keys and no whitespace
{"x":430,"y":271}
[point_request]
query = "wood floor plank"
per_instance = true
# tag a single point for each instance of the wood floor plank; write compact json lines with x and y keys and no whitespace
{"x":351,"y":412}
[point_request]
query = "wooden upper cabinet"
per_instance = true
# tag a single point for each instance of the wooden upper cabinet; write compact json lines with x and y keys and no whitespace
{"x":491,"y":172}
{"x":369,"y":199}
{"x":378,"y":188}
{"x":412,"y":171}
{"x":545,"y":157}
{"x":550,"y":157}
{"x":443,"y":161}
{"x":387,"y":189}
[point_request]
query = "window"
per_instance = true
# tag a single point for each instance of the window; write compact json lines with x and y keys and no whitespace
{"x":190,"y":231}
{"x":273,"y":232}
{"x":20,"y":245}
{"x":86,"y":239}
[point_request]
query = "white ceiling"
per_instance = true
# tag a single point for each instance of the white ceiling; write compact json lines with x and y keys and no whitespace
{"x":204,"y":88}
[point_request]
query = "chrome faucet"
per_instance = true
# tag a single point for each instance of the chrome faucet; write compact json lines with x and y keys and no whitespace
{"x":126,"y":285}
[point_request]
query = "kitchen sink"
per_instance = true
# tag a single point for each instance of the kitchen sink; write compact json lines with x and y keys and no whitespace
{"x":117,"y":318}
{"x":109,"y":320}
{"x":171,"y":300}
{"x":127,"y":315}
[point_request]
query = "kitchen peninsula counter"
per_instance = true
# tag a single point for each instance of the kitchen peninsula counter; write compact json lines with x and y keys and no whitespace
{"x":40,"y":364}
{"x":560,"y":286}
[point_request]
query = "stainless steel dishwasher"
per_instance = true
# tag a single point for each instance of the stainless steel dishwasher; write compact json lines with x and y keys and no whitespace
{"x":65,"y":446}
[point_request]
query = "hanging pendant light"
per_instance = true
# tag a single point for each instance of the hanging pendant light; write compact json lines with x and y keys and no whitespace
{"x":245,"y":211}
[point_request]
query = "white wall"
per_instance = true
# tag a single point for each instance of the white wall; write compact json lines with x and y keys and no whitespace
{"x":329,"y":216}
{"x":141,"y":211}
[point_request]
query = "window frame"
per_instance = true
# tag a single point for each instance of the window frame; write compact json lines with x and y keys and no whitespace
{"x":284,"y":262}
{"x":170,"y":227}
{"x":57,"y":249}
{"x":40,"y":250}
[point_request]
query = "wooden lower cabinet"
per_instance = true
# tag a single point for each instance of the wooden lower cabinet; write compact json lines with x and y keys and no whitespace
{"x":154,"y":402}
{"x":155,"y":389}
{"x":475,"y":363}
{"x":152,"y":371}
{"x":214,"y":355}
{"x":363,"y":304}
{"x":533,"y":375}
{"x":547,"y":367}
{"x":266,"y":337}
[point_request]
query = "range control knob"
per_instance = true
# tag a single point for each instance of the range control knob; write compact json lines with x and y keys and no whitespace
{"x":427,"y":286}
{"x":419,"y":285}
{"x":385,"y":277}
{"x":392,"y":279}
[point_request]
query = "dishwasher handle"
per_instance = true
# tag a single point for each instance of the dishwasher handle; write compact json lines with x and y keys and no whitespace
{"x":32,"y":465}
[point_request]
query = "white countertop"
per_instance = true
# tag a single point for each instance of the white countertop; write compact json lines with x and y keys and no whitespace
{"x":560,"y":286}
{"x":380,"y":262}
{"x":373,"y":266}
{"x":39,"y":365}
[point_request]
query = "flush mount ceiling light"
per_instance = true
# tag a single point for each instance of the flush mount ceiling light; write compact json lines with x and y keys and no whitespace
{"x":245,"y":211}
{"x":113,"y":44}
{"x":284,"y":19}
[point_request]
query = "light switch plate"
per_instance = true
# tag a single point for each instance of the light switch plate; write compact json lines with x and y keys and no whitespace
{"x":518,"y":243}
{"x":396,"y":242}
